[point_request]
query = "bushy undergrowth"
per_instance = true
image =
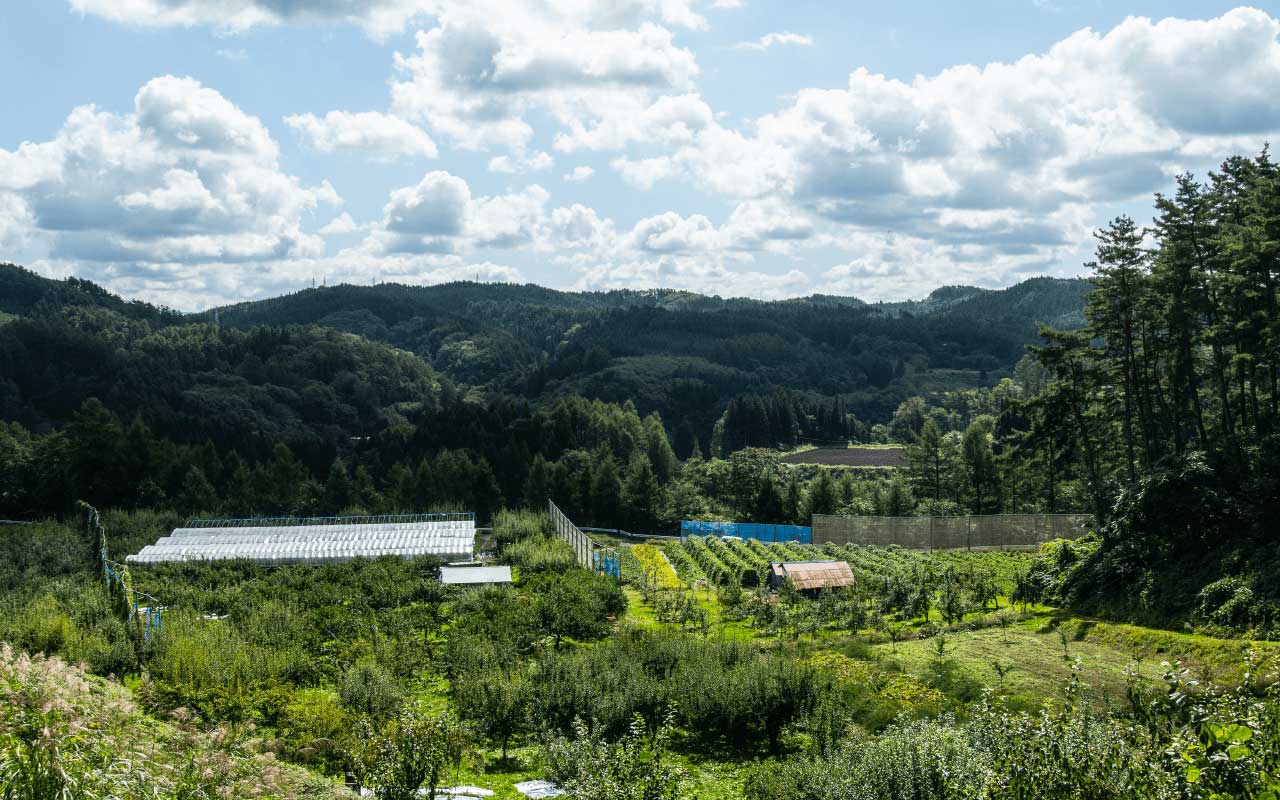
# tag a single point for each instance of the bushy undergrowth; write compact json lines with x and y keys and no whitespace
{"x":1184,"y":741}
{"x":323,"y":660}
{"x":586,"y":766}
{"x":726,"y":693}
{"x":1228,"y":592}
{"x":1182,"y":547}
{"x":66,"y":735}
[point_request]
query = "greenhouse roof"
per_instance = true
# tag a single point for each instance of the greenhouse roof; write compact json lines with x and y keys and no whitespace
{"x":815,"y":574}
{"x":464,"y":576}
{"x":315,"y":540}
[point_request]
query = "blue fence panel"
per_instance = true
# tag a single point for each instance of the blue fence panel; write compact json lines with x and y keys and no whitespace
{"x":747,"y":530}
{"x":607,"y":563}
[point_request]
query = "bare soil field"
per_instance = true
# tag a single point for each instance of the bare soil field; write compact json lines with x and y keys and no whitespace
{"x":850,"y":457}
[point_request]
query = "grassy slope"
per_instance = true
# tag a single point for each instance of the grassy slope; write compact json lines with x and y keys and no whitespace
{"x":1033,"y":646}
{"x":709,"y":778}
{"x":1040,"y":666}
{"x":104,"y":740}
{"x":1040,"y":650}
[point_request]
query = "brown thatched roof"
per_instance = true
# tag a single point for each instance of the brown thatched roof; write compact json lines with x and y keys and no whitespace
{"x":814,"y":574}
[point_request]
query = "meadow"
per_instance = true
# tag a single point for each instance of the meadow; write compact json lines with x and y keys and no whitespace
{"x":689,"y":677}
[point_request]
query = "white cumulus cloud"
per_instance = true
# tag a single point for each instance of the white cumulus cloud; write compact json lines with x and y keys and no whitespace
{"x":381,"y":135}
{"x":186,"y":177}
{"x":378,"y":17}
{"x":776,"y":38}
{"x":480,"y":72}
{"x":537,"y":162}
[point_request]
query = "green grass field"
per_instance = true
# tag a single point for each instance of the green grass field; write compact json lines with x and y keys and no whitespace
{"x":1023,"y":660}
{"x":1037,"y":651}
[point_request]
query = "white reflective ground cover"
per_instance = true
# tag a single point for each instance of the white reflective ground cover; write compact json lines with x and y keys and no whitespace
{"x":313,"y":544}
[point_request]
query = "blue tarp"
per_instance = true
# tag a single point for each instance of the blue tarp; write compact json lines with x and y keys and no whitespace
{"x":747,"y":530}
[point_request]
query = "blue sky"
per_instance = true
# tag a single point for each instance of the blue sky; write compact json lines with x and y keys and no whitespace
{"x":195,"y":152}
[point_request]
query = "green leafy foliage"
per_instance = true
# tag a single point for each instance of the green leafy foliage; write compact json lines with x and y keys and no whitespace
{"x":412,"y":752}
{"x":66,"y":735}
{"x":634,"y":767}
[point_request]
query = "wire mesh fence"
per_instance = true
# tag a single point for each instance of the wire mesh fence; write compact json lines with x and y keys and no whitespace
{"x":590,"y":555}
{"x":579,"y":541}
{"x":987,"y":532}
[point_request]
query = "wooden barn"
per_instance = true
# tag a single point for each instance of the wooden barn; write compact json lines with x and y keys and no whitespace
{"x":809,"y":577}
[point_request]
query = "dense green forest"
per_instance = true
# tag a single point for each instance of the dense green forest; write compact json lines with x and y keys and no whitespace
{"x":1132,"y":663}
{"x":221,"y":414}
{"x":680,"y":355}
{"x":1167,"y":405}
{"x":683,"y":355}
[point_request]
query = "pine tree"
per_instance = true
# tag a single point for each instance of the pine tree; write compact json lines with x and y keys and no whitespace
{"x":822,"y":494}
{"x":926,"y":460}
{"x":282,"y":480}
{"x":205,"y":457}
{"x":606,"y":491}
{"x":141,"y":451}
{"x":661,"y":456}
{"x":198,"y":494}
{"x":482,"y":494}
{"x":401,"y":489}
{"x":537,"y":486}
{"x":768,"y":502}
{"x":241,"y":491}
{"x":1072,"y":360}
{"x":1114,"y":311}
{"x":425,"y":489}
{"x":364,"y":493}
{"x":980,"y":461}
{"x":641,"y":492}
{"x":898,"y":501}
{"x":793,"y":500}
{"x":95,"y":439}
{"x":1181,"y":227}
{"x":337,"y":488}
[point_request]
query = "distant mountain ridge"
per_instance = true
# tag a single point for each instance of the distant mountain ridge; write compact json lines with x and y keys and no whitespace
{"x":682,"y":354}
{"x":21,"y":290}
{"x":24,"y":293}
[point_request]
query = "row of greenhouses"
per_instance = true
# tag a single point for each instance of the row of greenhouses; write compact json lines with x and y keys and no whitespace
{"x":314,"y":541}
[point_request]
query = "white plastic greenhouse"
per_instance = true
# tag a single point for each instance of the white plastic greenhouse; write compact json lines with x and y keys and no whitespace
{"x":316,"y":540}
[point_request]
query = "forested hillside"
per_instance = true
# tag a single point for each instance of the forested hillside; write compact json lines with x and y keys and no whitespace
{"x":1159,"y":416}
{"x":24,"y":293}
{"x":461,"y":394}
{"x":1167,"y":407}
{"x":684,"y":355}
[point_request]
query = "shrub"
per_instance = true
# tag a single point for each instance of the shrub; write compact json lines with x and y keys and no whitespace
{"x":367,"y":688}
{"x":1228,"y":602}
{"x":516,"y":526}
{"x":312,"y":723}
{"x":64,"y":734}
{"x":587,"y":767}
{"x":656,"y":569}
{"x":726,"y":692}
{"x":915,"y":761}
{"x":540,"y":554}
{"x":576,"y":604}
{"x":411,"y":753}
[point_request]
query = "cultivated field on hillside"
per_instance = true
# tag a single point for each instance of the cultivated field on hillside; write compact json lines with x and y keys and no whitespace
{"x":858,"y":456}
